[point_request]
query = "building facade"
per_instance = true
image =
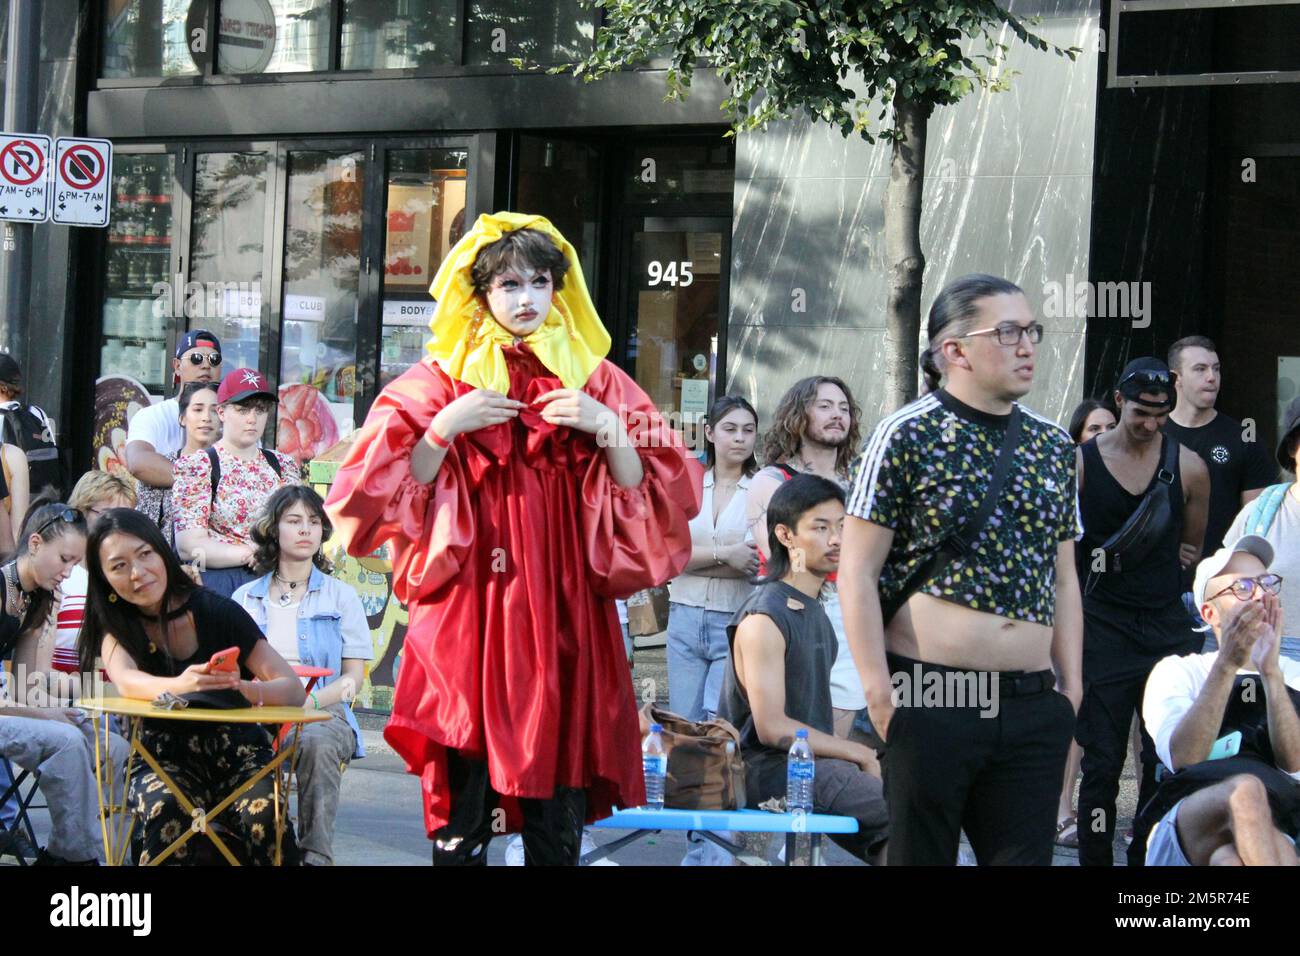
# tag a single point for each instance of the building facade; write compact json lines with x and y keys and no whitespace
{"x":289,"y":174}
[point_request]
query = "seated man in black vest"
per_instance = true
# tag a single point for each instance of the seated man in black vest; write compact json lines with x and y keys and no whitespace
{"x":1226,"y":722}
{"x":779,"y":679}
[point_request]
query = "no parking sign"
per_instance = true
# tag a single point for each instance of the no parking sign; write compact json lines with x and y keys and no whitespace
{"x":24,"y":177}
{"x":81,"y":181}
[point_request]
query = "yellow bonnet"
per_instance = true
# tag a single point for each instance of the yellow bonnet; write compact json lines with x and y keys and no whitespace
{"x":467,"y":341}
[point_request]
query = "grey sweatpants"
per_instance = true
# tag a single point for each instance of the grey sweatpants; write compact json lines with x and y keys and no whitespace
{"x":325,"y":748}
{"x":64,"y":756}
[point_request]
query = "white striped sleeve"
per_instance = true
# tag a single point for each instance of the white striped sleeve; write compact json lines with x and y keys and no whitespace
{"x":873,"y":496}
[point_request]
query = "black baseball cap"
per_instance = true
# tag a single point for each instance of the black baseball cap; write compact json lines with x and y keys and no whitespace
{"x":1148,"y":376}
{"x":197,"y":338}
{"x":10,"y":373}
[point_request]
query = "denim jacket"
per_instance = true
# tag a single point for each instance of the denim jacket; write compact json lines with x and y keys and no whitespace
{"x":329,"y":609}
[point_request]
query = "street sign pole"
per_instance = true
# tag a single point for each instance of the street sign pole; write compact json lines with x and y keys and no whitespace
{"x":20,"y":117}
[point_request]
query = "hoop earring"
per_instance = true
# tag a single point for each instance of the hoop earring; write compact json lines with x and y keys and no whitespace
{"x":112,"y":599}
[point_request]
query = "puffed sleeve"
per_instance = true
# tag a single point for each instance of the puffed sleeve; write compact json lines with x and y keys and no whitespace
{"x":374,"y":500}
{"x":638,"y":537}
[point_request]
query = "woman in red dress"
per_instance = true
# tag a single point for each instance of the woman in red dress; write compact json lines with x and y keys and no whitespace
{"x":522,"y":482}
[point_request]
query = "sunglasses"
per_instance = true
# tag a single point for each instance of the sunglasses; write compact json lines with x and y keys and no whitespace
{"x":1152,"y":378}
{"x":1244,"y":588}
{"x":70,"y":515}
{"x":213,"y":359}
{"x":1009,"y":333}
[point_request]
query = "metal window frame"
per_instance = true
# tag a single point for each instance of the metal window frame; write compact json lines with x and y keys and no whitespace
{"x":1133,"y":81}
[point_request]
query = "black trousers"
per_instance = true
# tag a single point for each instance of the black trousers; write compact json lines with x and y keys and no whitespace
{"x":996,"y":776}
{"x":1120,"y":647}
{"x":552,"y":830}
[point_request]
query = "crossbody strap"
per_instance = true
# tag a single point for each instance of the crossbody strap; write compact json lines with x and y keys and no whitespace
{"x":960,"y":541}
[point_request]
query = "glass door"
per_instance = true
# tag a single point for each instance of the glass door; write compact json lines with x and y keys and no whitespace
{"x":229,"y":219}
{"x":137,"y":276}
{"x":675,"y":281}
{"x":319,"y":297}
{"x":426,"y":193}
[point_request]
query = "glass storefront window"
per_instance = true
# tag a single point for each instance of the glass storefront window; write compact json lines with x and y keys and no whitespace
{"x":680,"y":172}
{"x":136,"y":302}
{"x":273,"y":36}
{"x":425,"y":218}
{"x":227,"y":225}
{"x":399,"y":34}
{"x":558,"y":31}
{"x":560,"y":179}
{"x":144,"y":38}
{"x":675,"y":297}
{"x":322,"y":270}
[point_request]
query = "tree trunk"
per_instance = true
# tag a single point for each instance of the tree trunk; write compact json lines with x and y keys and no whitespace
{"x":903,"y":253}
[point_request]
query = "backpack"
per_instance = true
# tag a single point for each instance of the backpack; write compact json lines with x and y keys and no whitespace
{"x":31,"y":433}
{"x":215,"y":462}
{"x":1264,"y":509}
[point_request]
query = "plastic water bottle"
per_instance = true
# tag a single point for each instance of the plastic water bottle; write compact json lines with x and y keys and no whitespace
{"x":799,"y":773}
{"x":654,"y":762}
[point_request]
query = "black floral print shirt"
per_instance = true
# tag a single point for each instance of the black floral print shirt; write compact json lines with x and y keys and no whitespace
{"x":924,"y":472}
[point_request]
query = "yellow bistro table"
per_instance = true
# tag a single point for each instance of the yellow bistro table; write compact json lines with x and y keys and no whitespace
{"x":116,"y":819}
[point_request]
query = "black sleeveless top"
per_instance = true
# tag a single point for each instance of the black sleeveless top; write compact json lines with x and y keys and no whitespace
{"x":1105,"y":505}
{"x":810,"y":649}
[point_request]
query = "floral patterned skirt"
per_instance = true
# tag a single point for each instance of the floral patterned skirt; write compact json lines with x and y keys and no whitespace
{"x":207,"y":764}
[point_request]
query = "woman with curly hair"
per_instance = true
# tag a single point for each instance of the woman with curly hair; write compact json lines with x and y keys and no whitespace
{"x":313,"y":619}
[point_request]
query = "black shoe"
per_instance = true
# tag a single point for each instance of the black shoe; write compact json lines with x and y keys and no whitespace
{"x":16,"y":844}
{"x":46,"y":858}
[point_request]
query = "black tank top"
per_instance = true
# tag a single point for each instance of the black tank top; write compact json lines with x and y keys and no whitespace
{"x":810,"y":649}
{"x":1105,"y":505}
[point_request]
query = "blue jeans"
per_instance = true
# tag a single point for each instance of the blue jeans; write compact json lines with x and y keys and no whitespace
{"x":697,"y":660}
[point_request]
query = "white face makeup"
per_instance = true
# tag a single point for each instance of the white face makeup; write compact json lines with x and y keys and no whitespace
{"x":520,"y":299}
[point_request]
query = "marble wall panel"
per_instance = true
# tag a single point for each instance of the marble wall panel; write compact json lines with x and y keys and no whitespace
{"x":1009,"y":191}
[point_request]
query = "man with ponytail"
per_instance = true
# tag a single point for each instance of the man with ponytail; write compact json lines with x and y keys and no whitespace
{"x":957,"y":573}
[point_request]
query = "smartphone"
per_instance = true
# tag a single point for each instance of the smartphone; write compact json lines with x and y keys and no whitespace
{"x":227,"y":660}
{"x":1226,"y":746}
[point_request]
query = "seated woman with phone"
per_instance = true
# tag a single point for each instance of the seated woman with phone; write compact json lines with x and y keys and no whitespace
{"x":160,"y":634}
{"x":313,"y":619}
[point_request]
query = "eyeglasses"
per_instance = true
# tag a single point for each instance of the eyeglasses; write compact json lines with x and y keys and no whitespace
{"x":1009,"y":333}
{"x":70,"y":515}
{"x":212,"y":358}
{"x":1148,"y":377}
{"x":1243,"y":589}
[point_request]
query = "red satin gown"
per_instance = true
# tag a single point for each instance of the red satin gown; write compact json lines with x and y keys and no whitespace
{"x":508,"y":562}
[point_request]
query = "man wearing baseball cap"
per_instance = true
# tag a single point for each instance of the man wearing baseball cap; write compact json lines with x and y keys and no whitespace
{"x":155,"y":432}
{"x":220,"y":491}
{"x":1142,"y":500}
{"x":1226,"y":723}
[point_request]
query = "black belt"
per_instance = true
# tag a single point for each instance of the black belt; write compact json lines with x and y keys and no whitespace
{"x":1020,"y":684}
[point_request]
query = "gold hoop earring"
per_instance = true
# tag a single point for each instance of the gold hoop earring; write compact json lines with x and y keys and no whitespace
{"x":112,"y":599}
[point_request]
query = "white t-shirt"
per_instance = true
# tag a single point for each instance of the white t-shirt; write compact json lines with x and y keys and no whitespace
{"x":1173,"y":687}
{"x":1284,"y":536}
{"x":160,"y":426}
{"x":282,"y":629}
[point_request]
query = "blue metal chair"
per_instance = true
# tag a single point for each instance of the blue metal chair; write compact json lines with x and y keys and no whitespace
{"x":13,"y":795}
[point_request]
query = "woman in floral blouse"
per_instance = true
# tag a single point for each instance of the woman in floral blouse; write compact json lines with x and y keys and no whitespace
{"x":198,"y":405}
{"x":219,"y":492}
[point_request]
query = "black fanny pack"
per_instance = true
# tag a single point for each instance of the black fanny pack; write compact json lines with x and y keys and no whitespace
{"x":1147,"y":525}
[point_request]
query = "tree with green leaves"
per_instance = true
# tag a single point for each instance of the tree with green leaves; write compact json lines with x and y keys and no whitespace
{"x":830,"y":61}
